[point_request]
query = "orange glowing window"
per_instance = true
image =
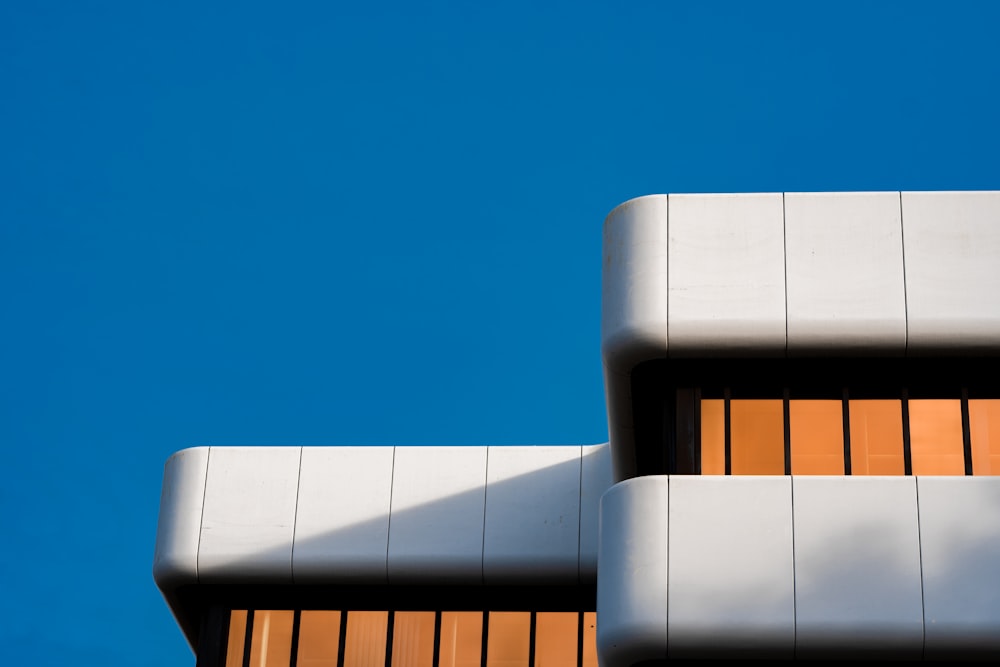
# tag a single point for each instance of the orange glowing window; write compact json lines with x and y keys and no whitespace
{"x":509,"y":639}
{"x":713,"y":437}
{"x":817,"y":437}
{"x":876,"y":437}
{"x":319,"y":639}
{"x":365,"y":642}
{"x":936,"y":437}
{"x":271,"y":641}
{"x":237,"y":636}
{"x":461,"y":638}
{"x":757,"y":438}
{"x":984,"y":427}
{"x":413,"y":639}
{"x":556,"y":635}
{"x":589,"y":639}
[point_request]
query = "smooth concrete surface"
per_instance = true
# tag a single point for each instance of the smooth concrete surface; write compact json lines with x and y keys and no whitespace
{"x":857,"y":568}
{"x":532,"y":529}
{"x":844,"y":259}
{"x":634,"y":282}
{"x":731,"y":579}
{"x":632,"y":573}
{"x":436,"y":519}
{"x":182,"y":500}
{"x":951,"y":242}
{"x":880,"y":563}
{"x":726,"y":275}
{"x":178,"y":530}
{"x":633,"y":309}
{"x":960,"y":556}
{"x":342,"y":517}
{"x":595,"y":479}
{"x":249,"y":516}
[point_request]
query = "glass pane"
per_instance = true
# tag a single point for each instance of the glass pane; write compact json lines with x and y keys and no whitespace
{"x":936,"y":437}
{"x":984,"y":424}
{"x":365,"y":641}
{"x":461,"y":638}
{"x":555,"y":639}
{"x":237,"y":637}
{"x":413,"y":639}
{"x":271,"y":643}
{"x":508,"y":639}
{"x":319,"y":638}
{"x":817,"y":437}
{"x":713,"y":437}
{"x":876,"y":437}
{"x":758,"y":437}
{"x":589,"y":639}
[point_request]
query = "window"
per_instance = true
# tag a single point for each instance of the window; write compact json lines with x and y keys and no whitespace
{"x":387,"y":626}
{"x":363,"y":638}
{"x":817,"y":417}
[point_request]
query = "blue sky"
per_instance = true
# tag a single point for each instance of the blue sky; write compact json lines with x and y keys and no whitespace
{"x":379,"y":224}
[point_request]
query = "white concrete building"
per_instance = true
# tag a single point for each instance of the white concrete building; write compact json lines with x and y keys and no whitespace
{"x":804,"y":462}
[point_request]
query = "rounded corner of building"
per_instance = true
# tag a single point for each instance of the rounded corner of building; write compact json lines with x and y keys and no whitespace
{"x":626,"y":347}
{"x":187,"y":453}
{"x":629,"y":205}
{"x":170,"y":572}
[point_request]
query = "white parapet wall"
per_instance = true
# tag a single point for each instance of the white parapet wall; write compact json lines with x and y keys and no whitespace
{"x":889,"y":274}
{"x":804,"y":567}
{"x":306,"y":516}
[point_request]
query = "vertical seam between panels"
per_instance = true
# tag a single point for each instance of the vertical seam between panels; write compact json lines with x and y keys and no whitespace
{"x":388,"y":522}
{"x":666,"y":567}
{"x":784,"y":252}
{"x":906,"y":309}
{"x":920,"y":562}
{"x":666,"y":306}
{"x":795,"y":610}
{"x":579,"y":522}
{"x":201,"y":521}
{"x":486,"y":489}
{"x":295,"y":517}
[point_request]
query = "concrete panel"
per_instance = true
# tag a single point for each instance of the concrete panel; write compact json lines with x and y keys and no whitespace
{"x":952,"y":245}
{"x":532,"y":531}
{"x":178,"y":530}
{"x":175,"y":559}
{"x":632,"y":573}
{"x":726,"y":275}
{"x":634,"y":283}
{"x":844,"y":263}
{"x":960,"y":551}
{"x":436,"y":522}
{"x":731,"y":576}
{"x":857,"y":568}
{"x":595,"y":480}
{"x":342,"y":522}
{"x":249,"y":517}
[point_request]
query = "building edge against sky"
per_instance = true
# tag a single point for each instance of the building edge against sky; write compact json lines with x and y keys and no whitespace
{"x":804,"y":424}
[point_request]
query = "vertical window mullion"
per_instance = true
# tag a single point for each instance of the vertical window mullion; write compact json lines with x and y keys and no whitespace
{"x":907,"y":459}
{"x":293,"y":659}
{"x":248,"y":639}
{"x":787,"y":428}
{"x":437,"y":639}
{"x":531,"y":639}
{"x":390,"y":627}
{"x":966,"y":432}
{"x":579,"y":639}
{"x":342,"y":642}
{"x":486,"y":638}
{"x":728,"y":429}
{"x":846,"y":410}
